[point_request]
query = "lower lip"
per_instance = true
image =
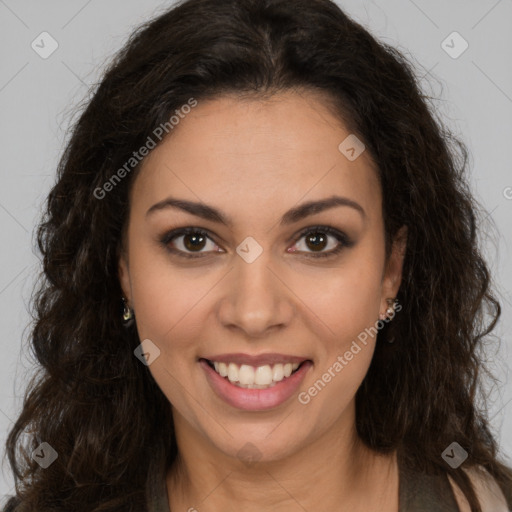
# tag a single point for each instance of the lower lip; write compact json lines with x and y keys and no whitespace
{"x":255,"y":399}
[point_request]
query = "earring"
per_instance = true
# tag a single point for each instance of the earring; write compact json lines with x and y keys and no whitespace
{"x":128,"y":313}
{"x":391,"y":307}
{"x":389,"y":314}
{"x":390,"y":310}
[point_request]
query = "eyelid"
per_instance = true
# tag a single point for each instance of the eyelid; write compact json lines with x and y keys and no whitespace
{"x":344,"y":241}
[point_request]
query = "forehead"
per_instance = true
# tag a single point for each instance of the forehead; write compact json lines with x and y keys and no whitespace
{"x":257,"y":154}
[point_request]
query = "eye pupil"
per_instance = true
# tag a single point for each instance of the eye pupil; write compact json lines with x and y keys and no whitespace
{"x":318,"y":240}
{"x":196,"y":241}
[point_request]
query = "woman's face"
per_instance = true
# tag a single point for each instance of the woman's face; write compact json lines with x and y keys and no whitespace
{"x":264,"y":287}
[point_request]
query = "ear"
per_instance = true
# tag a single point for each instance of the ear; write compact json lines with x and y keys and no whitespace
{"x":393,"y":271}
{"x":124,"y":276}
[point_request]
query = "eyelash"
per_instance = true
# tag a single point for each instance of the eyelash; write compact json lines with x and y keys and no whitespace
{"x":343,"y":240}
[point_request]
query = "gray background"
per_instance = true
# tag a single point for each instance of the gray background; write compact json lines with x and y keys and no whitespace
{"x":37,"y":98}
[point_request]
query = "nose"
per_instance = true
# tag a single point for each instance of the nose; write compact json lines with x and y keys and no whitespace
{"x":257,"y":300}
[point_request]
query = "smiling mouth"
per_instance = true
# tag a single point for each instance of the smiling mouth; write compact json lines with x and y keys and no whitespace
{"x":254,"y":377}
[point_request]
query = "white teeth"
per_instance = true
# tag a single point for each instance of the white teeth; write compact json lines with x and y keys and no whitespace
{"x":246,"y":374}
{"x":261,"y":377}
{"x":233,"y":372}
{"x":278,"y":372}
{"x":222,"y":370}
{"x":254,"y":386}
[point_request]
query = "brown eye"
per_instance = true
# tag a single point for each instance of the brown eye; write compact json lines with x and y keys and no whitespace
{"x":187,"y":241}
{"x":194,"y":242}
{"x":317,"y":239}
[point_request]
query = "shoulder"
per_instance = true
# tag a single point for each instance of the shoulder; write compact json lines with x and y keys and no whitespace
{"x":487,"y":491}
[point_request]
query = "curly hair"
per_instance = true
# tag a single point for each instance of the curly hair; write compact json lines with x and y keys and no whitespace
{"x":92,"y":400}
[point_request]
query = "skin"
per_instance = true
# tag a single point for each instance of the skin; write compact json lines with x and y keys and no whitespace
{"x":254,"y":160}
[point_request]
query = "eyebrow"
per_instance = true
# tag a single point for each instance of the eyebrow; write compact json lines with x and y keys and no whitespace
{"x":293,"y":215}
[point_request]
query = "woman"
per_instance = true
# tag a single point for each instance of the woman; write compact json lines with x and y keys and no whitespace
{"x":263,"y":287}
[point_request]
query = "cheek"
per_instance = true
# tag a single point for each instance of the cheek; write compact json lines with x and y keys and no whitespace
{"x":169,"y":305}
{"x":348,"y":303}
{"x":347,"y":298}
{"x":167,"y":300}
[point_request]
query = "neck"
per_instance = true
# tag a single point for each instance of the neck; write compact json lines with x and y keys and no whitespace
{"x":330,"y":471}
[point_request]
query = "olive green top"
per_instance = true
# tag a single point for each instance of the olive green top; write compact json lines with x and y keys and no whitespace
{"x":418,"y":492}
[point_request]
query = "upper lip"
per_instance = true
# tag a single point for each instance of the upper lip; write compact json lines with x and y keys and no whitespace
{"x":259,"y":360}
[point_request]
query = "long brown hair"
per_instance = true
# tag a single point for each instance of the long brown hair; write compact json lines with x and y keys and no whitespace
{"x":98,"y":407}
